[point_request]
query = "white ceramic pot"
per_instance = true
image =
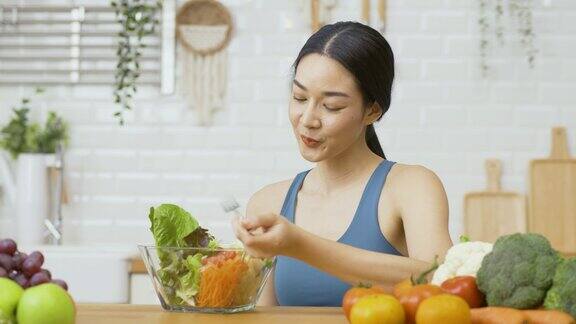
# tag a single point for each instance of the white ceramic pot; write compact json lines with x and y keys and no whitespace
{"x":32,"y":198}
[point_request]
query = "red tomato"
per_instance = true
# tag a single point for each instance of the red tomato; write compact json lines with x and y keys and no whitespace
{"x":403,"y":287}
{"x":355,"y":293}
{"x":412,"y":297}
{"x":411,"y":292}
{"x":465,"y":287}
{"x":219,"y":258}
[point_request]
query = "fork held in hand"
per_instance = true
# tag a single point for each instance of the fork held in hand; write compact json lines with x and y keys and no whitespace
{"x":230,"y":205}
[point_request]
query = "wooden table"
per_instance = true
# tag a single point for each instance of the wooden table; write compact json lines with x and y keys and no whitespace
{"x":149,"y":314}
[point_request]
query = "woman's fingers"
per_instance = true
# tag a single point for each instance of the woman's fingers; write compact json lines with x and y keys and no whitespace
{"x":239,"y":230}
{"x":235,"y":227}
{"x":257,"y":231}
{"x":262,"y":220}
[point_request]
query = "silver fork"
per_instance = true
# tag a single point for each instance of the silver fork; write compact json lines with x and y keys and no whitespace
{"x":230,"y":205}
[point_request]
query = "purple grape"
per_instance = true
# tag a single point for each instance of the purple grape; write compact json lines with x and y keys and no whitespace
{"x":8,"y":246}
{"x":13,"y":274}
{"x":31,"y":266}
{"x":45,"y":271}
{"x":39,"y":278}
{"x":6,"y":262}
{"x":60,"y":283}
{"x":18,"y":259}
{"x":37,"y":256}
{"x":3,"y":273}
{"x":22,"y":280}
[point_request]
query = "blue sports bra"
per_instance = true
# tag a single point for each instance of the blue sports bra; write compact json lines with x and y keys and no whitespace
{"x":298,"y":284}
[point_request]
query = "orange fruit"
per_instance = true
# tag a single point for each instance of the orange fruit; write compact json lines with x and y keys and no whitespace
{"x":443,"y":309}
{"x":376,"y":309}
{"x":355,"y":293}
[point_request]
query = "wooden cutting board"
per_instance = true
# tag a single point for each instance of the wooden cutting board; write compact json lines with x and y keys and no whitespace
{"x":553,"y":195}
{"x":492,"y":213}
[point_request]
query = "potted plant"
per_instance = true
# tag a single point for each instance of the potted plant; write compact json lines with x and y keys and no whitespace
{"x":32,"y":147}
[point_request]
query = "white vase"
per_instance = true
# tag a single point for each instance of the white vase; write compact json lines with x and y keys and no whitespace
{"x":32,"y":198}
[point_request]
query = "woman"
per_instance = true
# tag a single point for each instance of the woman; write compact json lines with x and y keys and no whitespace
{"x":355,"y":217}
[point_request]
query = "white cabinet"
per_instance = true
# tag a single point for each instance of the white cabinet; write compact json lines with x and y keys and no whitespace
{"x":142,"y":291}
{"x":95,"y":274}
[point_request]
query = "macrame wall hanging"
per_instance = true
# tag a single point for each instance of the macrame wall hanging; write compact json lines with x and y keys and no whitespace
{"x":320,"y":10}
{"x":204,"y":28}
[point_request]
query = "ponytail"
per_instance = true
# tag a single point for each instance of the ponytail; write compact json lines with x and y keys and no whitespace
{"x":373,"y":142}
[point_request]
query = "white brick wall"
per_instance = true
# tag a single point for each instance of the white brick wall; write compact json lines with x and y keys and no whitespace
{"x":443,"y":115}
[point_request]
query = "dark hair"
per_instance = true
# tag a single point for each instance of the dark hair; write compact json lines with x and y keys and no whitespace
{"x":367,"y":55}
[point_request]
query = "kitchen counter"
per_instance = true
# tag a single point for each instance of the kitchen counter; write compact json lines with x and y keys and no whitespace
{"x":138,"y":314}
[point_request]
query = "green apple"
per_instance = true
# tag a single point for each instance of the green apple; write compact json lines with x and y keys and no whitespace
{"x":10,"y":293}
{"x":46,"y":304}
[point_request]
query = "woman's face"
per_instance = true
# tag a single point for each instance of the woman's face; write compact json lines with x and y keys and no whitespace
{"x":326,"y":108}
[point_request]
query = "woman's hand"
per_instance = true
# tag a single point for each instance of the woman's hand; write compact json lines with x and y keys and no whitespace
{"x":266,"y":235}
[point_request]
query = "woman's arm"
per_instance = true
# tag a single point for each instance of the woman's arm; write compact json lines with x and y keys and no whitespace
{"x":354,"y":265}
{"x":350,"y":264}
{"x":427,"y":235}
{"x":423,"y":206}
{"x":265,"y":200}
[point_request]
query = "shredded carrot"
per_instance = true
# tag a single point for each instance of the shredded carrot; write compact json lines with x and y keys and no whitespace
{"x":218,"y":283}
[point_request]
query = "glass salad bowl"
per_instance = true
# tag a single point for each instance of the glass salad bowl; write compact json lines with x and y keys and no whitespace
{"x":209,"y":280}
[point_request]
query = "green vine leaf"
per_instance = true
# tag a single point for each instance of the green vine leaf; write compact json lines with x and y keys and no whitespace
{"x":484,"y":26}
{"x":137,"y":19}
{"x":521,"y":12}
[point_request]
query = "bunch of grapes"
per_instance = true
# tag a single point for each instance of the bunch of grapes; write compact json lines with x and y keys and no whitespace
{"x":24,"y":269}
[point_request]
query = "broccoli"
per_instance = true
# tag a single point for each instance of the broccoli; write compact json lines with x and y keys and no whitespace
{"x":518,"y":272}
{"x":562,"y":295}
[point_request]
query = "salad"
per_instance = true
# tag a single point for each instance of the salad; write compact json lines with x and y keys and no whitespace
{"x":195,"y":270}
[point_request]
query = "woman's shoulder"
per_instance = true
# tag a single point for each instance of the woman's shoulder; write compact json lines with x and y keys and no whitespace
{"x":269,"y":198}
{"x":411,"y":171}
{"x":408,"y":178}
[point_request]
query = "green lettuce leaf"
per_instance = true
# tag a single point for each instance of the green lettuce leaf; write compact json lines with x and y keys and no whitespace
{"x":179,"y":271}
{"x":213,"y":245}
{"x":190,"y":282}
{"x":170,"y":225}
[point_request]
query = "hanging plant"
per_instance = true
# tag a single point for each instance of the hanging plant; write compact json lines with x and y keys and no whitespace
{"x":137,"y":19}
{"x":483,"y":24}
{"x":521,"y":12}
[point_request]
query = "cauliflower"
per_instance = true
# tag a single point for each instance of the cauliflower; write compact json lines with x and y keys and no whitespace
{"x":463,"y":259}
